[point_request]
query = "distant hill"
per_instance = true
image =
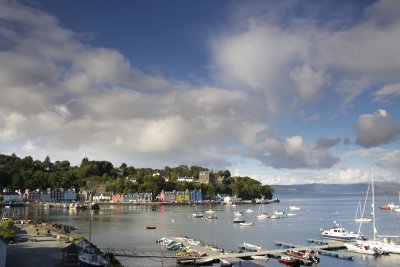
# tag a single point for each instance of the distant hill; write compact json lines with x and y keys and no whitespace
{"x":380,"y":187}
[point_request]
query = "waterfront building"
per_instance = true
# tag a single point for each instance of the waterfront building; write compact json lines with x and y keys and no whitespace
{"x":31,"y":196}
{"x":117,"y":198}
{"x":207,"y":177}
{"x":167,"y":196}
{"x":12,"y":197}
{"x":138,"y":197}
{"x":102,"y":197}
{"x":196,"y":195}
{"x":70,"y":195}
{"x":182,"y":196}
{"x":45,"y":196}
{"x":57,"y":195}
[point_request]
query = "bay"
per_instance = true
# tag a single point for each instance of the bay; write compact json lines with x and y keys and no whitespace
{"x":124,"y":226}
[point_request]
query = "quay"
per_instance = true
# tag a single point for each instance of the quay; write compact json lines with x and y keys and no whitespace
{"x":213,"y":254}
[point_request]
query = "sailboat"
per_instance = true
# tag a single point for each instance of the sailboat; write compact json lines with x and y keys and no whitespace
{"x":90,"y":255}
{"x":263,"y":215}
{"x":381,"y":243}
{"x":362,"y":218}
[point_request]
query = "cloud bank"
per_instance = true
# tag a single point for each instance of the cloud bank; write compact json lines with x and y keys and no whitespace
{"x":61,"y":97}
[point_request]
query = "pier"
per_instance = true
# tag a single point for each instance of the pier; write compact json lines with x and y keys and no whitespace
{"x":213,"y":254}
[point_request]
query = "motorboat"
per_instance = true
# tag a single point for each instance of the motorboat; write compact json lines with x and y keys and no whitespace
{"x":260,"y":258}
{"x":249,"y":211}
{"x":389,"y":206}
{"x":251,"y":246}
{"x":263,"y":216}
{"x":197,"y":215}
{"x":362,"y":249}
{"x":340,"y":233}
{"x":246,"y":224}
{"x":275,"y":216}
{"x":211,"y":211}
{"x":151,"y":227}
{"x":303,"y":255}
{"x":290,"y":261}
{"x":210,"y":217}
{"x":238,"y":220}
{"x":280,"y":213}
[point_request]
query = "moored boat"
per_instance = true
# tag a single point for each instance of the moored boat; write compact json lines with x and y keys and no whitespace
{"x":251,"y":246}
{"x":389,"y":206}
{"x":92,"y":260}
{"x":262,"y":216}
{"x":290,"y":261}
{"x":379,"y":243}
{"x":303,"y":255}
{"x":247,"y":224}
{"x":238,"y":220}
{"x":151,"y":227}
{"x":340,"y":233}
{"x":362,"y":249}
{"x":197,"y":215}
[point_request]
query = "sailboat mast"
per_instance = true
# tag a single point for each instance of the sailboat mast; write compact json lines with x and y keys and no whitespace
{"x":373,"y":202}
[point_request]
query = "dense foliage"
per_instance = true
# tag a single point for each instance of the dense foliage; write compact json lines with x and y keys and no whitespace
{"x":17,"y":173}
{"x":7,"y":230}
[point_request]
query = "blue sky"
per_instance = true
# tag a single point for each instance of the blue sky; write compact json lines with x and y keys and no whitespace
{"x":282,"y":91}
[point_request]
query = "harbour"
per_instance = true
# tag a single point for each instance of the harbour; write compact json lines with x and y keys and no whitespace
{"x":124,"y":227}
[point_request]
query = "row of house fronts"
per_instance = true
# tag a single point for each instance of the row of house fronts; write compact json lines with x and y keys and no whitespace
{"x":69,"y":195}
{"x":49,"y":195}
{"x":164,"y":196}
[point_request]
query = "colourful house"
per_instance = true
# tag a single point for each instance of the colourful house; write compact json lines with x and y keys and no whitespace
{"x":117,"y":198}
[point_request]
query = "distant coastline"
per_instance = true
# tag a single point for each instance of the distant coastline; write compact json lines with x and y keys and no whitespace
{"x":380,"y":188}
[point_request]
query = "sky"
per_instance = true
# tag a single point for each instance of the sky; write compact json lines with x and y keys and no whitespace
{"x":285,"y":92}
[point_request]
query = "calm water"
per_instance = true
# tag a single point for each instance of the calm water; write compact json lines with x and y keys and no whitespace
{"x":124,"y":226}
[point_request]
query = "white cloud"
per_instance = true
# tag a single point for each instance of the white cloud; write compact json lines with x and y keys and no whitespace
{"x":291,"y":153}
{"x":391,"y":160}
{"x":387,"y":93}
{"x":64,"y":98}
{"x":308,"y":81}
{"x":287,"y":66}
{"x":376,"y":129}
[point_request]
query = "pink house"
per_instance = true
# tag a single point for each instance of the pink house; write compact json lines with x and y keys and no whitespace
{"x":117,"y":198}
{"x":169,"y":196}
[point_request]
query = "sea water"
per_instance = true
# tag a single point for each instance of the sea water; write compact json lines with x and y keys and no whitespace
{"x":124,"y":226}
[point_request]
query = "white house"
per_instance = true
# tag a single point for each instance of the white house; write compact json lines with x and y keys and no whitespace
{"x":185,"y":179}
{"x":3,"y":251}
{"x":13,"y":197}
{"x":102,"y":197}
